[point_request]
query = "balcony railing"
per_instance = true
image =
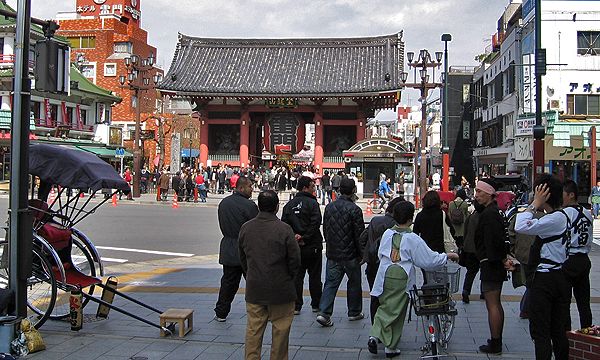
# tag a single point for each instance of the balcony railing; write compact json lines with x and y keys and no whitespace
{"x":8,"y":60}
{"x":42,"y":123}
{"x":218,"y":157}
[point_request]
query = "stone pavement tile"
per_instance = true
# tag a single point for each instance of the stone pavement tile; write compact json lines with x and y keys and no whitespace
{"x":322,"y":341}
{"x":188,"y":351}
{"x":46,"y":355}
{"x":129,"y":348}
{"x":343,"y":355}
{"x":302,"y":354}
{"x":152,"y":354}
{"x":165,"y":344}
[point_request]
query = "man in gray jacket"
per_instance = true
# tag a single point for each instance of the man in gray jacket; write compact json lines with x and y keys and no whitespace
{"x":270,"y":257}
{"x":233,"y":212}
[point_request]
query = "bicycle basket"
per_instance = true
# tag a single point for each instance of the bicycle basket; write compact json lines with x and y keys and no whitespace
{"x":449,"y":275}
{"x":430,"y":299}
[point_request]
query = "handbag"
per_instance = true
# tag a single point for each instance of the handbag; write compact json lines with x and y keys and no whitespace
{"x":449,"y":242}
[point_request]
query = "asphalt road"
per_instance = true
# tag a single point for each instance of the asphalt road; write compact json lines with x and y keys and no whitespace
{"x":138,"y":230}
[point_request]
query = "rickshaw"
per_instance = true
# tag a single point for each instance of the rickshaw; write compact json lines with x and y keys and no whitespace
{"x":64,"y":258}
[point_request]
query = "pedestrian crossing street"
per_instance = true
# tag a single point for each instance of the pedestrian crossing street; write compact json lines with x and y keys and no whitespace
{"x":597,"y":232}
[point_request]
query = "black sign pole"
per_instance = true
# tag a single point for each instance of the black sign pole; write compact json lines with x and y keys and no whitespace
{"x":20,"y":236}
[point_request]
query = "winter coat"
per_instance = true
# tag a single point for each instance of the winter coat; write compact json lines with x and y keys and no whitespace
{"x":373,"y":233}
{"x":303,"y":214}
{"x":429,"y":224}
{"x":490,"y":244}
{"x":233,"y":212}
{"x":343,"y":223}
{"x":270,"y":257}
{"x":163,"y":181}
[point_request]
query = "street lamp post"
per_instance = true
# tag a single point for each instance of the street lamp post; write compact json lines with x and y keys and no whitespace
{"x":445,"y":149}
{"x":424,"y":62}
{"x":137,"y":68}
{"x":190,"y":131}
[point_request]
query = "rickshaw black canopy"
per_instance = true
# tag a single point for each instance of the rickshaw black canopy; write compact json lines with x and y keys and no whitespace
{"x":73,"y":168}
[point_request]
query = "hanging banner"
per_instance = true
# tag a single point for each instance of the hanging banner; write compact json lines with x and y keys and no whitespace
{"x":175,"y":152}
{"x":47,"y":113}
{"x":78,"y":115}
{"x":65,"y":114}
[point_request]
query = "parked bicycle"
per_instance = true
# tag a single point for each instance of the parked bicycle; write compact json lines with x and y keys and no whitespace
{"x":434,"y":305}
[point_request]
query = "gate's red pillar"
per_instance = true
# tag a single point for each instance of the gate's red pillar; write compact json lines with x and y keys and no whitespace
{"x":244,"y":138}
{"x":318,"y":120}
{"x":203,"y":138}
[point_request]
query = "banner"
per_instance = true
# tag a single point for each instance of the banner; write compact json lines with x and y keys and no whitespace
{"x":65,"y":114}
{"x":47,"y":113}
{"x":78,"y":115}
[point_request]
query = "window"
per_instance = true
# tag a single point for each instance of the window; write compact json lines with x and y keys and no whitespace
{"x":69,"y":119}
{"x":134,"y":102}
{"x":83,"y":116}
{"x":54,"y":113}
{"x":588,"y":42}
{"x":82,"y":42}
{"x":110,"y":69}
{"x":89,"y":71}
{"x":583,"y":104}
{"x":1,"y":45}
{"x":123,"y":47}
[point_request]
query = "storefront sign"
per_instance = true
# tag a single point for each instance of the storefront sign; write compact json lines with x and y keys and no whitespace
{"x":528,"y":84}
{"x":524,"y":127}
{"x":576,"y":151}
{"x":466,"y":130}
{"x":115,"y":136}
{"x":523,"y":148}
{"x":135,"y":13}
{"x":47,"y":112}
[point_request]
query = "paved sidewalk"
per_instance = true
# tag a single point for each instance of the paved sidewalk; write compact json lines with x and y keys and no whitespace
{"x":193,"y":283}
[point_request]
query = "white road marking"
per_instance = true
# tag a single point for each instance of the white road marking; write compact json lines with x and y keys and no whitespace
{"x":144,"y":251}
{"x":77,"y":259}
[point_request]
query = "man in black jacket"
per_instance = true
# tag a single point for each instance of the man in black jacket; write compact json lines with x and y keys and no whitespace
{"x":369,"y":244}
{"x":343,"y":223}
{"x":233,"y":212}
{"x":303,"y":214}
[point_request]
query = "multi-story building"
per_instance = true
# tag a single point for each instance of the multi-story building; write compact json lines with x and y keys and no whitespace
{"x":72,"y":118}
{"x":102,"y":34}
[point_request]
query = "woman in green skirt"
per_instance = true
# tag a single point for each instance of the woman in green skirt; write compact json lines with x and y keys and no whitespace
{"x":399,"y":252}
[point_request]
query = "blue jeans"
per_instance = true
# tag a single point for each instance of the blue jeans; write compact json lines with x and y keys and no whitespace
{"x":595,"y":208}
{"x":334,"y":272}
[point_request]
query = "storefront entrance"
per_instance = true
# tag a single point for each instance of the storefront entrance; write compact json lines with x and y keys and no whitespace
{"x":371,"y":175}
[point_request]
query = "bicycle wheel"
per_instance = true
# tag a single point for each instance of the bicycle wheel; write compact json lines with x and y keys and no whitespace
{"x":82,"y":260}
{"x":41,"y":290}
{"x":446,"y":326}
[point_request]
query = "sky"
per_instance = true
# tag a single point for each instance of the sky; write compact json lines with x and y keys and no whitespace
{"x":470,"y":22}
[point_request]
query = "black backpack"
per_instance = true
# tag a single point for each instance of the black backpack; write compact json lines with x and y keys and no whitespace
{"x":535,"y":256}
{"x":457,"y":216}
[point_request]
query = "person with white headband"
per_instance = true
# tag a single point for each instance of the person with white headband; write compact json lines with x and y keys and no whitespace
{"x":491,"y":252}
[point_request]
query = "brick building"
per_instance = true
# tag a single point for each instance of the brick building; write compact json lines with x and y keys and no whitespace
{"x":102,"y":33}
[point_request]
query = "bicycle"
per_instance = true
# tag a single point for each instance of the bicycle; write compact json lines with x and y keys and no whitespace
{"x":375,"y":203}
{"x":433,"y":303}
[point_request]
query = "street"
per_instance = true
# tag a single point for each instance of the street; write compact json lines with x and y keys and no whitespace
{"x":144,"y":232}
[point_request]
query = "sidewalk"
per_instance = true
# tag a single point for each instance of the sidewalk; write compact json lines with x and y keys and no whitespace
{"x":193,"y":283}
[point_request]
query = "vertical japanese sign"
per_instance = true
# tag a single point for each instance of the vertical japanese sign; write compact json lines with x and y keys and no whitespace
{"x":47,"y":113}
{"x":175,"y":152}
{"x":528,"y":84}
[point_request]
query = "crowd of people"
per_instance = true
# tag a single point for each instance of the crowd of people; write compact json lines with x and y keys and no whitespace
{"x":549,"y":245}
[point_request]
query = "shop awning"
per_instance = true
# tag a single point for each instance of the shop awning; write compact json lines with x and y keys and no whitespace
{"x":186,"y":153}
{"x":5,"y":120}
{"x":103,"y":152}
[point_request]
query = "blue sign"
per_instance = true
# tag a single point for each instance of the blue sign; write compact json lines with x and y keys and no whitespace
{"x":120,"y":152}
{"x":528,"y":6}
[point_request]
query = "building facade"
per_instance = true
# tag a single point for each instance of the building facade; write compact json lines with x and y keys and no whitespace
{"x":253,"y":97}
{"x":102,"y":34}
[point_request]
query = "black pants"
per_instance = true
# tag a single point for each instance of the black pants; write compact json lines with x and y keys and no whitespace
{"x":230,"y":283}
{"x":577,"y":270}
{"x":549,"y":301}
{"x":472,"y":264}
{"x":371,"y":273}
{"x":311,"y":261}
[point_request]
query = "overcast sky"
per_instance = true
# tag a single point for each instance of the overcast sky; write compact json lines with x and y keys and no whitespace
{"x":471,"y":22}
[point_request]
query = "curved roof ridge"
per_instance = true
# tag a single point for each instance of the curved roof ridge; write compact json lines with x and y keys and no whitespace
{"x":295,"y":42}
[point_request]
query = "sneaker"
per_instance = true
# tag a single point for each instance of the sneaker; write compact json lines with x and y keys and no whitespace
{"x":465,"y":298}
{"x":296,"y":312}
{"x":493,"y":346}
{"x":391,"y":353}
{"x":315,"y":309}
{"x":357,"y":317}
{"x":372,"y":344}
{"x":324,"y":321}
{"x":216,"y":318}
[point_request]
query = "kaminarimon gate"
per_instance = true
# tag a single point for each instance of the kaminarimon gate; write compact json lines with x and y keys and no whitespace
{"x":254,"y":97}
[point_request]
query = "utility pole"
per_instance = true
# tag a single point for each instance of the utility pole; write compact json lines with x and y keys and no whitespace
{"x":445,"y":149}
{"x":539,"y":131}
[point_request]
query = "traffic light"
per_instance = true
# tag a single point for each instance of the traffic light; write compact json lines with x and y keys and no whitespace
{"x":52,"y":66}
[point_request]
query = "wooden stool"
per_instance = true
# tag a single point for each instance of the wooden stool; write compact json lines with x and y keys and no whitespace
{"x":178,"y":316}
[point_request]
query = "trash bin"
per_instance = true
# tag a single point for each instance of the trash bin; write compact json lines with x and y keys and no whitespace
{"x":8,"y":330}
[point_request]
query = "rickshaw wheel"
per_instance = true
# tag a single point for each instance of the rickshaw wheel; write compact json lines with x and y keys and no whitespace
{"x":84,"y":263}
{"x":41,"y":290}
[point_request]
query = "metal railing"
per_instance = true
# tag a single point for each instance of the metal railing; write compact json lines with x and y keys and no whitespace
{"x":51,"y":124}
{"x":333,"y":159}
{"x":9,"y":59}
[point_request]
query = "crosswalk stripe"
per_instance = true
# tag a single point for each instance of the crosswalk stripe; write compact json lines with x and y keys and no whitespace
{"x":144,"y":251}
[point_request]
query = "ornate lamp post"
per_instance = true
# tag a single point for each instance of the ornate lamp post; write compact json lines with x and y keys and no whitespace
{"x":423,"y":63}
{"x":137,"y":80}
